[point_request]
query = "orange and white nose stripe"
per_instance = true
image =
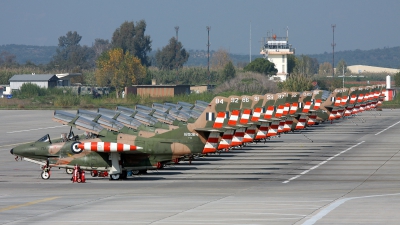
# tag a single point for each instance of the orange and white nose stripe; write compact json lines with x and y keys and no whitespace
{"x":107,"y":147}
{"x":317,"y":104}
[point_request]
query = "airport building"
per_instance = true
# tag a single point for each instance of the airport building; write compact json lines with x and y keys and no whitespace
{"x":42,"y":80}
{"x":276,"y":49}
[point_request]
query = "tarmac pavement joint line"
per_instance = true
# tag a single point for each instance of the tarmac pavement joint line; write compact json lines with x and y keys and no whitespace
{"x":322,"y":163}
{"x":387,"y":128}
{"x":336,"y":204}
{"x":28,"y":204}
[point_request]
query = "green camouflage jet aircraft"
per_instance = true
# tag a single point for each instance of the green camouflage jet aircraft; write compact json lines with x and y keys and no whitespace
{"x":120,"y":151}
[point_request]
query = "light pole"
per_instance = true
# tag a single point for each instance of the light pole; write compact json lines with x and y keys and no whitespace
{"x":343,"y":76}
{"x":208,"y":54}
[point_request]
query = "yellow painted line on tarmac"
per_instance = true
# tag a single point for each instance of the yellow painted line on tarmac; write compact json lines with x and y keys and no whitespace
{"x":28,"y":204}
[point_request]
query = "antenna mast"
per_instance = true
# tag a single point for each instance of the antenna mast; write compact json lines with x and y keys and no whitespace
{"x":333,"y":51}
{"x":176,"y":54}
{"x":208,"y":54}
{"x":250,"y":40}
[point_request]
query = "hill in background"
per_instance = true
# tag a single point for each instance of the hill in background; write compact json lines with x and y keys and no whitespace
{"x":35,"y":54}
{"x":386,"y":57}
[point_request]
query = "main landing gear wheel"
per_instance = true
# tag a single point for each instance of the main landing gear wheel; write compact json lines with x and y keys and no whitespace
{"x":115,"y":176}
{"x":45,"y":175}
{"x":69,"y":170}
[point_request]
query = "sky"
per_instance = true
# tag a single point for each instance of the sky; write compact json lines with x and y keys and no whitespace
{"x":360,"y":24}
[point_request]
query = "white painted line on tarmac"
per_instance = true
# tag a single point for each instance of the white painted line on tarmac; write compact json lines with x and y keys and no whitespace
{"x":42,"y":128}
{"x":21,"y":143}
{"x":387,"y":128}
{"x":336,"y":204}
{"x":321,"y":163}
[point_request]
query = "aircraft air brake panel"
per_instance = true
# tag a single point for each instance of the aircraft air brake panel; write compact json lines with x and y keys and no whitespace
{"x":185,"y":104}
{"x":63,"y":116}
{"x":125,"y":110}
{"x":160,"y":107}
{"x":106,"y":121}
{"x":143,"y":108}
{"x":129,"y":121}
{"x":89,"y":125}
{"x":106,"y":112}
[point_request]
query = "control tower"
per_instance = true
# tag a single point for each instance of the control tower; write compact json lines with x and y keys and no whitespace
{"x":276,"y":49}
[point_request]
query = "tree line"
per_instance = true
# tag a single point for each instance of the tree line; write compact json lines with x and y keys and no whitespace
{"x":124,"y":60}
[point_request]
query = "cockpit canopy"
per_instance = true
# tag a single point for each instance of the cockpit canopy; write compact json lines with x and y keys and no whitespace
{"x":45,"y":138}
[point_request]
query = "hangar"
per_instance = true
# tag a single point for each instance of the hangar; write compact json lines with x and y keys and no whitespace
{"x":42,"y":80}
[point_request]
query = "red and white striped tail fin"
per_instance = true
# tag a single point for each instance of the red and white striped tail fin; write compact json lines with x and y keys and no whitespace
{"x":286,"y":109}
{"x":219,"y":121}
{"x":317,"y":104}
{"x":279,"y":111}
{"x":270,"y":111}
{"x":293,"y":108}
{"x":256,"y":114}
{"x":226,"y":139}
{"x":344,"y":100}
{"x":353,"y":99}
{"x":212,"y":143}
{"x":245,"y":116}
{"x":337,"y":101}
{"x":301,"y":124}
{"x":233,"y":118}
{"x":307,"y":107}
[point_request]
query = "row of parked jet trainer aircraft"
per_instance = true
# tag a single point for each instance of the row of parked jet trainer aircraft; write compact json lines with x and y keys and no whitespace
{"x":124,"y":140}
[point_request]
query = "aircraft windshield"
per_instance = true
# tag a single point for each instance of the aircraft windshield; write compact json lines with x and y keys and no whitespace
{"x":45,"y":138}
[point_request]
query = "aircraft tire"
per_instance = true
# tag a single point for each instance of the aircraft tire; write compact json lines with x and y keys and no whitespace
{"x":69,"y":170}
{"x":123,"y":175}
{"x":115,"y":176}
{"x":45,"y":175}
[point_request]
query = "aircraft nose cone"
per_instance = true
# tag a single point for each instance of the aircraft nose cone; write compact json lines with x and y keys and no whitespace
{"x":12,"y":151}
